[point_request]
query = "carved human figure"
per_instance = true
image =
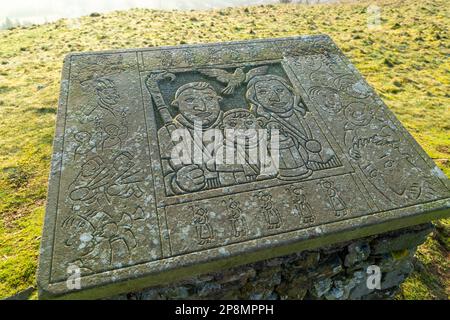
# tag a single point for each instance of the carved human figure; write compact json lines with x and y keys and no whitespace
{"x":197,"y":102}
{"x":115,"y":133}
{"x":272,"y":215}
{"x":359,"y":115}
{"x":98,"y":235}
{"x":392,"y":172}
{"x":271,"y":96}
{"x":107,"y":96}
{"x":84,"y":143}
{"x":245,"y":144}
{"x":375,"y":147}
{"x":107,"y":136}
{"x":205,"y":233}
{"x":112,"y":138}
{"x":236,"y":218}
{"x":302,"y":207}
{"x":337,"y":203}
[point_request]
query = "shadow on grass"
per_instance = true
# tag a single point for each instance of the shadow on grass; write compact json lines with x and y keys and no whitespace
{"x":44,"y":110}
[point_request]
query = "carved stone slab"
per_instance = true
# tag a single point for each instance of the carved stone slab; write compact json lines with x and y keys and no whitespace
{"x":122,"y":216}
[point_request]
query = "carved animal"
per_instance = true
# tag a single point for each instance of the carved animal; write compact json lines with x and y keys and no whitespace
{"x":233,"y":80}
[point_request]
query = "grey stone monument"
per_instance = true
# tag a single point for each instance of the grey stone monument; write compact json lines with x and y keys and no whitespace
{"x":123,"y":217}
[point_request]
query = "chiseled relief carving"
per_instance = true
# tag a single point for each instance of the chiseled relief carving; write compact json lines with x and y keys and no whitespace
{"x":302,"y":208}
{"x":263,"y":101}
{"x":125,"y":200}
{"x":271,"y":213}
{"x":103,"y":227}
{"x":236,"y":217}
{"x":203,"y":227}
{"x":372,"y":141}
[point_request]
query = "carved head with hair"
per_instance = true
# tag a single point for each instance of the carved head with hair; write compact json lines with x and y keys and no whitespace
{"x":243,"y":121}
{"x":106,"y":91}
{"x":198,"y":101}
{"x":272,"y":94}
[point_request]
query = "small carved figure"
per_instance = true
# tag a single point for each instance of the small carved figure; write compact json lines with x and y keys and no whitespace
{"x":107,"y":96}
{"x":326,"y":98}
{"x":302,"y":208}
{"x":237,"y":219}
{"x":115,"y":134}
{"x":393,"y":173}
{"x":358,"y":114}
{"x":85,"y":143}
{"x":245,"y":144}
{"x":271,"y":215}
{"x":205,"y":232}
{"x":106,"y":136}
{"x":335,"y":200}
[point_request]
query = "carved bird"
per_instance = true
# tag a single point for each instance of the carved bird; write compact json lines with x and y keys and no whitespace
{"x":233,"y":80}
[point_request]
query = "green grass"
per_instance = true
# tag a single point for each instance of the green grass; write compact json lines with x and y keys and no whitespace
{"x":406,"y":61}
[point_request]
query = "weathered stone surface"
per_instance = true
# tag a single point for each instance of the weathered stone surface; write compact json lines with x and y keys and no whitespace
{"x":124,"y":216}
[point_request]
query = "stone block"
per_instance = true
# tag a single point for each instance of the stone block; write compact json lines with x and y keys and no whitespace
{"x":139,"y":196}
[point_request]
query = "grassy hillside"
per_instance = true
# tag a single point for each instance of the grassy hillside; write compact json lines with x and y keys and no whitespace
{"x":406,"y":60}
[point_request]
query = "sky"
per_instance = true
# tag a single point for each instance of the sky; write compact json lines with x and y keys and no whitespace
{"x":39,"y":11}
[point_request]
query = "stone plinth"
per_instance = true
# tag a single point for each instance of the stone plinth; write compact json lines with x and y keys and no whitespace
{"x":337,"y":272}
{"x":123,"y":215}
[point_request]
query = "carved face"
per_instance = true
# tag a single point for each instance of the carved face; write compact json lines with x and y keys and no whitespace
{"x":199,"y":105}
{"x":328,"y":99}
{"x":82,"y":136}
{"x":273,"y":95}
{"x":359,"y":114}
{"x":331,"y":101}
{"x":241,"y":121}
{"x":80,"y":235}
{"x":299,"y":195}
{"x":201,"y":216}
{"x":354,"y":89}
{"x":107,"y":93}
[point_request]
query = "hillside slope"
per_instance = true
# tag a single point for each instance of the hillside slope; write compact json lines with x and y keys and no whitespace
{"x":405,"y":60}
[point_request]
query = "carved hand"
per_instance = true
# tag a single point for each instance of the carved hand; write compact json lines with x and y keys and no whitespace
{"x":191,"y":178}
{"x":152,"y":80}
